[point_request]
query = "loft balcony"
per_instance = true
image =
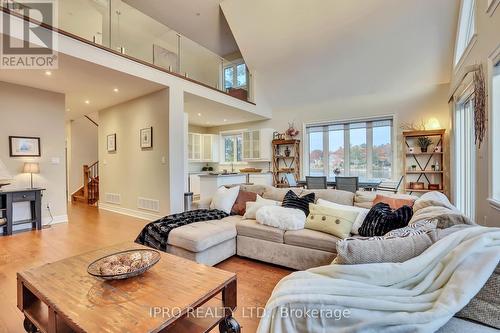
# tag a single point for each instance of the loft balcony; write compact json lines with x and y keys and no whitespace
{"x":119,"y":28}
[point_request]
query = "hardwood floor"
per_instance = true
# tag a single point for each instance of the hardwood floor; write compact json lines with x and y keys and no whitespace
{"x":90,"y":229}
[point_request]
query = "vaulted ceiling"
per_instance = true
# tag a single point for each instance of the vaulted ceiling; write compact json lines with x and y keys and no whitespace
{"x":312,"y":51}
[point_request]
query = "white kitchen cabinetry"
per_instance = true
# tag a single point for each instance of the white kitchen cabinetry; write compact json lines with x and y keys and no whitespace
{"x":210,"y":148}
{"x":261,"y":178}
{"x":257,"y":144}
{"x":194,"y":147}
{"x":203,"y":147}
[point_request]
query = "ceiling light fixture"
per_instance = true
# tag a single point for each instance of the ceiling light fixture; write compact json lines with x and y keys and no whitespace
{"x":199,"y":114}
{"x":116,"y":90}
{"x":87,"y":102}
{"x":225,"y":120}
{"x":68,"y":110}
{"x":48,"y":73}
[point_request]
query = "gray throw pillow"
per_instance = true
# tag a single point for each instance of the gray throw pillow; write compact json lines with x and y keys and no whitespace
{"x":485,"y":306}
{"x":353,"y":251}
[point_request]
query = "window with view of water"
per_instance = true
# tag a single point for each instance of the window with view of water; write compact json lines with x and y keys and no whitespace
{"x":358,"y":148}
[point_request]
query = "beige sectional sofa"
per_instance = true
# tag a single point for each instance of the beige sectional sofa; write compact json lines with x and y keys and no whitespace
{"x":214,"y":241}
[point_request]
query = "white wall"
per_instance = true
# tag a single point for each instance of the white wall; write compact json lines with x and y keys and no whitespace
{"x":131,"y":171}
{"x":32,"y":112}
{"x":82,"y":149}
{"x":488,"y":41}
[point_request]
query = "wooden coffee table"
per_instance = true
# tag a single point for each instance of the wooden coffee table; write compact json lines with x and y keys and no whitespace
{"x":176,"y":295}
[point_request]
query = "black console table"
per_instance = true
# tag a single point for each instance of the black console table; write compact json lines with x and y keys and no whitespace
{"x":9,"y":197}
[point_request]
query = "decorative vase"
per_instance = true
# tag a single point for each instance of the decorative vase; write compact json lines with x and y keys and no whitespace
{"x":423,"y":150}
{"x":291,"y":131}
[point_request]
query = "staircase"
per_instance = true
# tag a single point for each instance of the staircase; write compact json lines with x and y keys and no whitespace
{"x":89,"y":192}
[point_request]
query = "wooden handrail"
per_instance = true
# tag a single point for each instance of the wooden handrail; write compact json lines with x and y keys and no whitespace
{"x":91,"y":183}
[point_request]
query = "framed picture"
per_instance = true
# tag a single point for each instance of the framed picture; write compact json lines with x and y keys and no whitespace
{"x":111,"y":142}
{"x":24,"y":146}
{"x":147,"y":138}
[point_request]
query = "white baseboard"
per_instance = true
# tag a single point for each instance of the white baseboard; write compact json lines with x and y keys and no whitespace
{"x":57,"y":219}
{"x":129,"y":212}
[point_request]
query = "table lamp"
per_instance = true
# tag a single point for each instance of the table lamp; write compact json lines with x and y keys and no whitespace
{"x":5,"y":176}
{"x":31,"y":168}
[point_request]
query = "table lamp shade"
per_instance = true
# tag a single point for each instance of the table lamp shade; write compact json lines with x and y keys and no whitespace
{"x":31,"y":167}
{"x":5,"y":176}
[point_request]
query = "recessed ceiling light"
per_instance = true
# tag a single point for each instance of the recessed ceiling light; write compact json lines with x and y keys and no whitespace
{"x":48,"y":73}
{"x":87,"y":102}
{"x":225,"y":120}
{"x":199,"y":114}
{"x":68,"y":109}
{"x":116,"y":90}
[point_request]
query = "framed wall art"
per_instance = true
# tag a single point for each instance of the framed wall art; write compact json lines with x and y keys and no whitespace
{"x":111,"y":143}
{"x":146,"y":138}
{"x":24,"y":146}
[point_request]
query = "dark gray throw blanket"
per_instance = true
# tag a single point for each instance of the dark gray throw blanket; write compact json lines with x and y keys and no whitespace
{"x":155,"y":234}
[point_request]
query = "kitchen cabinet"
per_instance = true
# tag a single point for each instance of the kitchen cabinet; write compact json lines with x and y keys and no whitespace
{"x":261,"y":178}
{"x":257,"y":144}
{"x":210,"y":148}
{"x":210,"y":183}
{"x":203,"y":147}
{"x":194,"y":147}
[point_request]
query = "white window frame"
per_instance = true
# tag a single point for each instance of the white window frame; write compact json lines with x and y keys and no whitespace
{"x":234,"y":65}
{"x":305,"y":146}
{"x":222,"y":147}
{"x":466,"y":95}
{"x":494,"y":137}
{"x":466,"y":33}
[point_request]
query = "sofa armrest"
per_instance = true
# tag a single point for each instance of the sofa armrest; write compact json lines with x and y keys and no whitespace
{"x":202,"y":204}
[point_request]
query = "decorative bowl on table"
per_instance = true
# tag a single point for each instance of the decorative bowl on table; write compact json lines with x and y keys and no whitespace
{"x":124,"y":264}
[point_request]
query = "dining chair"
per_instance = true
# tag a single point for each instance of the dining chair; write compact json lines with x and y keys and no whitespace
{"x":316,"y":183}
{"x":390,"y":185}
{"x":350,"y":184}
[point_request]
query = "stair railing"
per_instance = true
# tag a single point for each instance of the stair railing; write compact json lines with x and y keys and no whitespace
{"x":91,"y":183}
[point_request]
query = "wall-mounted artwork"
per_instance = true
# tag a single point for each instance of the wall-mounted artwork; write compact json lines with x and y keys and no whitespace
{"x":111,"y":142}
{"x":24,"y":146}
{"x":147,"y":138}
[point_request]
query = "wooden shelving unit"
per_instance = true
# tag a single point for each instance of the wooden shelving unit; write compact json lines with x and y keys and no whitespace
{"x":424,"y":161}
{"x":283,"y":164}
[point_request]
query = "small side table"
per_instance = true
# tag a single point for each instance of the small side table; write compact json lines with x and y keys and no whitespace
{"x":9,"y":197}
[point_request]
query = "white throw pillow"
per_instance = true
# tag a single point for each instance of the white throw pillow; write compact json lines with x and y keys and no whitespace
{"x":253,"y":207}
{"x":268,"y":201}
{"x":224,"y":198}
{"x":362,"y":212}
{"x":281,"y":217}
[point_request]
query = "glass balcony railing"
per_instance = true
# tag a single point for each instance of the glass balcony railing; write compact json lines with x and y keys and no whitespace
{"x":120,"y":27}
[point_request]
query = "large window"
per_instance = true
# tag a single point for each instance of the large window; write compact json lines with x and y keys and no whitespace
{"x":358,"y":148}
{"x":235,"y":76}
{"x":232,"y":148}
{"x":464,"y":155}
{"x":495,"y":144}
{"x":466,"y":28}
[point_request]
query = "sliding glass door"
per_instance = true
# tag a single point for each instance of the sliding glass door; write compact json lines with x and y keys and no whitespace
{"x":464,"y":157}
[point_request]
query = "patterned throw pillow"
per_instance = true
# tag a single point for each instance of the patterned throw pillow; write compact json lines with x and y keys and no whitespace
{"x":292,"y":200}
{"x":381,"y":219}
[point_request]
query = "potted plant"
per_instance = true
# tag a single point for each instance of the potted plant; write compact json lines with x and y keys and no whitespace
{"x":424,"y":142}
{"x":414,"y":167}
